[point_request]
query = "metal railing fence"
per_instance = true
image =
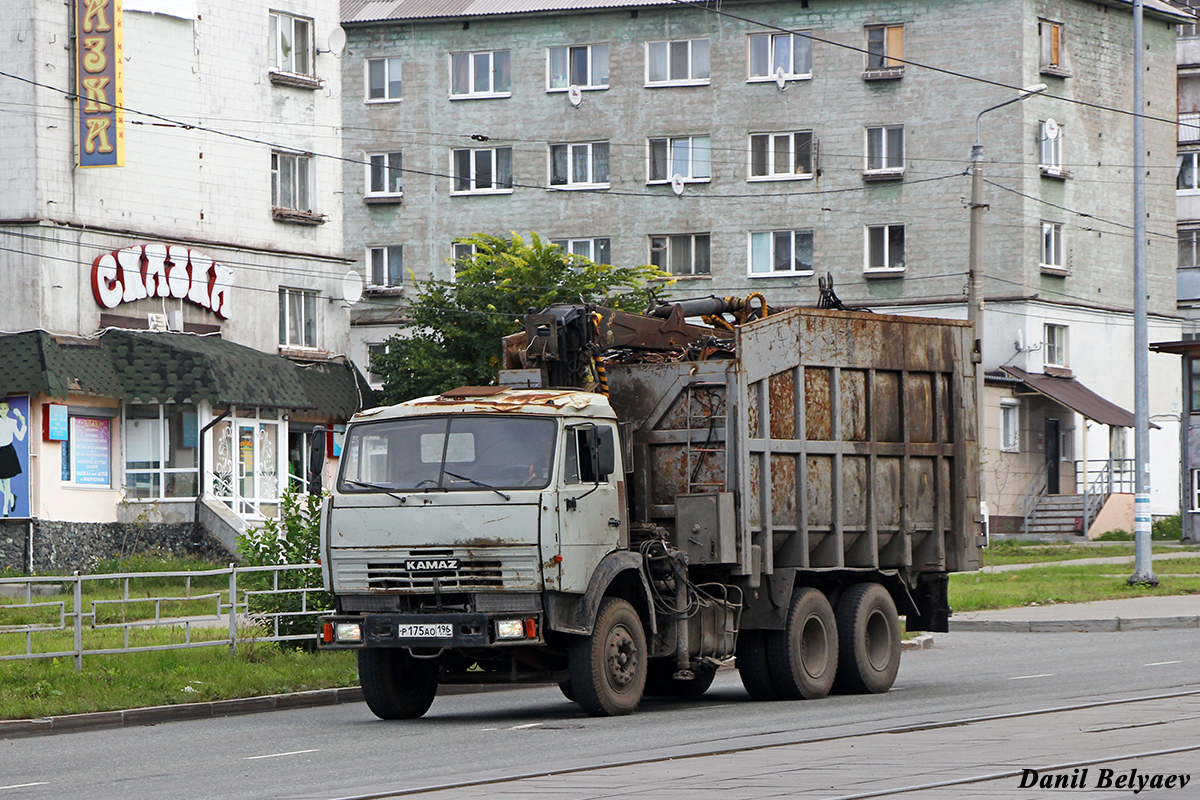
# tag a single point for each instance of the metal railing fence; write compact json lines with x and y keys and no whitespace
{"x":98,"y":614}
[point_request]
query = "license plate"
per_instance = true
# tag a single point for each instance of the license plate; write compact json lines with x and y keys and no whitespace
{"x":439,"y":630}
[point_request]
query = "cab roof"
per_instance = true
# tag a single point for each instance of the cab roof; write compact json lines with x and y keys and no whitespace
{"x":498,"y":400}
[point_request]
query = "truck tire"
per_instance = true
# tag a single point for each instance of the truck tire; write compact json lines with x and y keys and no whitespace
{"x":752,"y":665}
{"x":803,"y":657}
{"x":396,"y":685}
{"x":869,"y":640}
{"x":608,"y":668}
{"x":661,"y":682}
{"x":567,"y":691}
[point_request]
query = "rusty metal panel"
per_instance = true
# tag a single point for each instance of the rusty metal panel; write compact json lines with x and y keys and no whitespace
{"x":818,"y":405}
{"x":887,"y":413}
{"x":782,"y":402}
{"x":854,"y":404}
{"x":783,"y":490}
{"x":918,"y":407}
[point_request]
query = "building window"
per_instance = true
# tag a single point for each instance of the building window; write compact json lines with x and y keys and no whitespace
{"x":1187,"y":30}
{"x":386,"y":266}
{"x":885,"y":248}
{"x":482,"y":74}
{"x":161,"y":446}
{"x":775,"y":156}
{"x":678,"y":63}
{"x":1055,"y":351}
{"x":385,"y":176}
{"x":462,"y":254}
{"x":780,"y":55}
{"x":682,"y":254}
{"x":1052,"y":246}
{"x":383,"y":80}
{"x":297,"y":318}
{"x":1187,"y":278}
{"x":1050,"y":136}
{"x":1195,"y":500}
{"x":291,"y":44}
{"x":781,"y":253}
{"x":291,"y":176}
{"x":375,"y":351}
{"x":585,"y":66}
{"x":487,"y":171}
{"x":1188,"y":180}
{"x":1189,"y":127}
{"x":1010,"y":425}
{"x":598,"y":250}
{"x":579,"y":166}
{"x":885,"y":51}
{"x":690,"y":157}
{"x":885,"y":150}
{"x":1050,"y":46}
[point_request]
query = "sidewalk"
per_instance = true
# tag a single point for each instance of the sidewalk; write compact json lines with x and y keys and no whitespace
{"x":1102,"y":616}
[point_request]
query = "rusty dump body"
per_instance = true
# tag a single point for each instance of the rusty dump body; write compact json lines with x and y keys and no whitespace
{"x":833,"y":441}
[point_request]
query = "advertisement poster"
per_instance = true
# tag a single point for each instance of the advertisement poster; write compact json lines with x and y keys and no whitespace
{"x":91,"y":448}
{"x":14,"y":456}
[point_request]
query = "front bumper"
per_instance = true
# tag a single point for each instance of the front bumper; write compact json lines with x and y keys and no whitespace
{"x":468,"y":629}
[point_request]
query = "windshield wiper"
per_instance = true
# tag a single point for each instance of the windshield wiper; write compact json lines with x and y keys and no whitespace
{"x":477,"y":483}
{"x":385,"y":489}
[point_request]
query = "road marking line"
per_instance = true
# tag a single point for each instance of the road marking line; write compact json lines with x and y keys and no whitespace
{"x":281,"y":755}
{"x":526,"y":725}
{"x":1027,"y":677}
{"x":1161,"y":663}
{"x":24,"y":785}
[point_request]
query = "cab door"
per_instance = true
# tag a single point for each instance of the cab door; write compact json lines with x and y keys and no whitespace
{"x":591,"y":516}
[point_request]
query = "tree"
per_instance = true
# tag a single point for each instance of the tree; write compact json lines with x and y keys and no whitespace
{"x":452,"y":337}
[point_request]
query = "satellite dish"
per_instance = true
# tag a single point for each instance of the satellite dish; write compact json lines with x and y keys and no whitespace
{"x":337,"y":40}
{"x":780,"y":81}
{"x":1051,"y":129}
{"x":575,"y":95}
{"x":352,"y":287}
{"x":677,"y":184}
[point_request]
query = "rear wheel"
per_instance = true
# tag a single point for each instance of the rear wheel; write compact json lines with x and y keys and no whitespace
{"x":661,"y":680}
{"x":608,"y":668}
{"x":868,"y":640}
{"x":568,"y":692}
{"x":752,"y":665}
{"x":803,"y":656}
{"x":396,"y":685}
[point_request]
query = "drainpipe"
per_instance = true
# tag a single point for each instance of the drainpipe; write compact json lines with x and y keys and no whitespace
{"x":201,"y":483}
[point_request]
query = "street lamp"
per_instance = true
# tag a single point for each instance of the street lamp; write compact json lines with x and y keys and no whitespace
{"x":975,"y":269}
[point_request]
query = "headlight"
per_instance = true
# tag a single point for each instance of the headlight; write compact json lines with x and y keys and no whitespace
{"x":510,"y":629}
{"x":348,"y":632}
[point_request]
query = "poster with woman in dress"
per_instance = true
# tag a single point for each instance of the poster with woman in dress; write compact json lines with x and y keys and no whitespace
{"x":14,"y":456}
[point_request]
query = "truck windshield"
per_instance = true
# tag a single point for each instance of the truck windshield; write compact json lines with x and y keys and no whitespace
{"x":459,"y":453}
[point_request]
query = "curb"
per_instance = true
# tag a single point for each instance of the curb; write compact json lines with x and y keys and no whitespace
{"x":1114,"y":625}
{"x":922,"y":642}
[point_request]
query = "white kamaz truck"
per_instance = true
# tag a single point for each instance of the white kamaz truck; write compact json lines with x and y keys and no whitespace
{"x":642,"y":499}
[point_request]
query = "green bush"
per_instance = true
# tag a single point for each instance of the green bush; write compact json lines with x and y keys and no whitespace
{"x":293,"y":537}
{"x":1167,"y":529}
{"x":1118,"y":535}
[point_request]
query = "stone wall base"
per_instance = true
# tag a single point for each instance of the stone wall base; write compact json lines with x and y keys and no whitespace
{"x":62,"y":547}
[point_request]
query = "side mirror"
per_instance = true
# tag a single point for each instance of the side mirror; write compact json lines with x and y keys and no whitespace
{"x":316,"y":460}
{"x":606,"y":451}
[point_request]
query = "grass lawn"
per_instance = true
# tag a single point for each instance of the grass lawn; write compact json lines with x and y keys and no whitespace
{"x":1001,"y":553}
{"x":1066,"y":584}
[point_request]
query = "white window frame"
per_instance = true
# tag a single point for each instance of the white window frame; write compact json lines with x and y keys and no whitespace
{"x":595,"y":167}
{"x":589,"y":248}
{"x":459,"y":250}
{"x":883,"y":161}
{"x":771,"y":241}
{"x":472,"y":58}
{"x":1195,"y":505}
{"x":783,"y":145}
{"x":595,"y":54}
{"x":1056,"y":338}
{"x":672,"y":145}
{"x":1190,"y":160}
{"x":308,"y":299}
{"x":1052,"y":252}
{"x":280,"y":62}
{"x":1050,"y":46}
{"x":886,"y":232}
{"x":776,"y":71}
{"x":389,"y":167}
{"x":162,"y":471}
{"x":383,"y":255}
{"x":1049,"y":150}
{"x":1189,"y":245}
{"x":693,"y":57}
{"x":375,"y":349}
{"x":390,"y":64}
{"x":879,"y":57}
{"x":669,"y":244}
{"x":474,"y":178}
{"x":297,"y":169}
{"x":1189,"y":127}
{"x":1010,"y":425}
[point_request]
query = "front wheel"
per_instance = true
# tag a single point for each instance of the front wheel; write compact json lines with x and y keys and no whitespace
{"x":608,"y":668}
{"x":396,"y":685}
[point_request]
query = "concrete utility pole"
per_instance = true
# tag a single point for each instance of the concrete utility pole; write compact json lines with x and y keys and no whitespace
{"x":1143,"y":566}
{"x":975,"y":275}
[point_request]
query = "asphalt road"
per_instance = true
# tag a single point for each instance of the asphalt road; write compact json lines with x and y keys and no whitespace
{"x":343,"y":751}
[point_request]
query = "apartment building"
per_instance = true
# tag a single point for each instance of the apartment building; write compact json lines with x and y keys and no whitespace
{"x":757,"y":146}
